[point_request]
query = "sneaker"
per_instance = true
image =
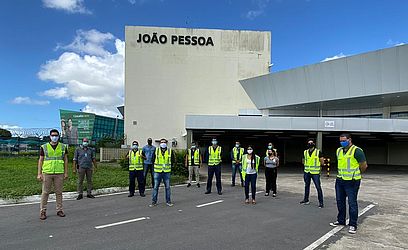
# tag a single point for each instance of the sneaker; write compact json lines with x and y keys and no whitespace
{"x":90,"y":196}
{"x":232,"y":185}
{"x":153,"y":204}
{"x":304,"y":202}
{"x":253,"y":202}
{"x":169,"y":204}
{"x":80,"y":197}
{"x":242,"y":184}
{"x":219,"y":193}
{"x":247,"y":201}
{"x":336,"y":224}
{"x":60,"y":214}
{"x":142,"y":195}
{"x":266,"y":194}
{"x":198,"y":184}
{"x":321,"y":206}
{"x":273,"y":195}
{"x":207,"y":192}
{"x":352,"y":230}
{"x":189,"y":185}
{"x":131,"y":195}
{"x":43,"y":215}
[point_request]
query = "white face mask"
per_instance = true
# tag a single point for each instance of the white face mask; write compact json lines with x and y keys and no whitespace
{"x":54,"y":138}
{"x":237,"y":145}
{"x":250,"y":151}
{"x":163,"y":145}
{"x":193,"y":147}
{"x":135,"y":146}
{"x":85,"y":144}
{"x":214,"y":142}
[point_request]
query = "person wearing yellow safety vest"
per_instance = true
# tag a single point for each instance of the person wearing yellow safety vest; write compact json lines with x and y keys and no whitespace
{"x":312,"y":160}
{"x":236,"y":156}
{"x":351,"y":162}
{"x":250,"y":167}
{"x":214,"y":166}
{"x":135,"y":159}
{"x":162,"y":168}
{"x":52,"y":169}
{"x":270,"y":147}
{"x":193,"y":163}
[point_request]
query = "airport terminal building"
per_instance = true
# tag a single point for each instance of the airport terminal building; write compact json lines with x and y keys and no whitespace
{"x":195,"y":84}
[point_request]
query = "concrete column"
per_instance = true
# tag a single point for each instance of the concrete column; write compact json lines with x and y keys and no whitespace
{"x":189,"y":138}
{"x":386,"y":112}
{"x":265,"y":112}
{"x":319,"y":140}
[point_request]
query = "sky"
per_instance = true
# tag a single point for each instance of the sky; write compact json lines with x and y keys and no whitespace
{"x":69,"y":54}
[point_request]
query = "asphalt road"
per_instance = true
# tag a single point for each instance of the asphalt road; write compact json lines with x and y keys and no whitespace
{"x":273,"y":223}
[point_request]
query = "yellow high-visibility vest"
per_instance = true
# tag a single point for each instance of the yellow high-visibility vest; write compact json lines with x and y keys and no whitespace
{"x":53,"y":159}
{"x":214,"y":156}
{"x":163,"y":161}
{"x":234,"y":154}
{"x":245,"y":164}
{"x":196,"y":157}
{"x":312,"y":162}
{"x":348,"y":167}
{"x":135,"y":160}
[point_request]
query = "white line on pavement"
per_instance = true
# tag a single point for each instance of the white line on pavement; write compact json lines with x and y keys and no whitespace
{"x":121,"y":222}
{"x":210,"y":203}
{"x":332,"y":232}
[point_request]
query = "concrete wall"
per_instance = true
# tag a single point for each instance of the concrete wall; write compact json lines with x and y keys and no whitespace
{"x":165,"y":82}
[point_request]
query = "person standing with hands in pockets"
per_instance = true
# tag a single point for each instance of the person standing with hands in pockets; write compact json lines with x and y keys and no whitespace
{"x":193,"y":163}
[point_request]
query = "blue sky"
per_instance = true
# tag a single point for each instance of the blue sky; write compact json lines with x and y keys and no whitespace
{"x":68,"y":54}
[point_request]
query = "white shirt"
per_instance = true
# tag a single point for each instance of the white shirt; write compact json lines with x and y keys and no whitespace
{"x":249,"y":169}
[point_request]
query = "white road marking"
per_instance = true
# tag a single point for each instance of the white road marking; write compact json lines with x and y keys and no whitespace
{"x":210,"y":203}
{"x":332,"y":232}
{"x":121,"y":222}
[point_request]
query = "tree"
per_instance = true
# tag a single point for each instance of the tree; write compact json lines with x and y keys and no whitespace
{"x":5,"y":133}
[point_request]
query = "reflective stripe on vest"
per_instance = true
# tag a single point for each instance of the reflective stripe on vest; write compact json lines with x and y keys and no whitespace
{"x":312,"y":162}
{"x":348,"y":167}
{"x":196,"y":157}
{"x":135,"y":160}
{"x":214,"y":157}
{"x":245,"y":164}
{"x":162,"y":162}
{"x":53,"y":159}
{"x":234,"y":154}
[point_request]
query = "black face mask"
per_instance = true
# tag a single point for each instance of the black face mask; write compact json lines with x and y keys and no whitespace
{"x":311,"y":145}
{"x":149,"y":142}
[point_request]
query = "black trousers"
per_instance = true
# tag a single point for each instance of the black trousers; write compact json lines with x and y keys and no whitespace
{"x":217,"y":171}
{"x":140,"y":181}
{"x":271,"y":174}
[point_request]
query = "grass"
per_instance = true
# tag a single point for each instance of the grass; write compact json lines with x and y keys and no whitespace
{"x":18,"y":177}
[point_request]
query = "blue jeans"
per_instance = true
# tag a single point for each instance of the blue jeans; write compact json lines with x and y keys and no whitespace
{"x":236,"y":167}
{"x":216,"y":169}
{"x":146,"y":169}
{"x":157,"y":180}
{"x":250,"y":178}
{"x":316,"y":180}
{"x":347,"y":189}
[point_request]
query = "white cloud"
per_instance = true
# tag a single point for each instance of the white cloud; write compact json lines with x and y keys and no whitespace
{"x":70,"y":6}
{"x":390,"y":42}
{"x":28,"y":101}
{"x":341,"y":55}
{"x":6,"y":126}
{"x":94,"y":77}
{"x":259,"y":10}
{"x":89,"y":42}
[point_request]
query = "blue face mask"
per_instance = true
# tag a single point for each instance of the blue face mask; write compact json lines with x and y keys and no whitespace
{"x":344,"y":143}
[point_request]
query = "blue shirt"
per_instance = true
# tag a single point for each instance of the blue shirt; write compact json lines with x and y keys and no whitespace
{"x":148,"y":151}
